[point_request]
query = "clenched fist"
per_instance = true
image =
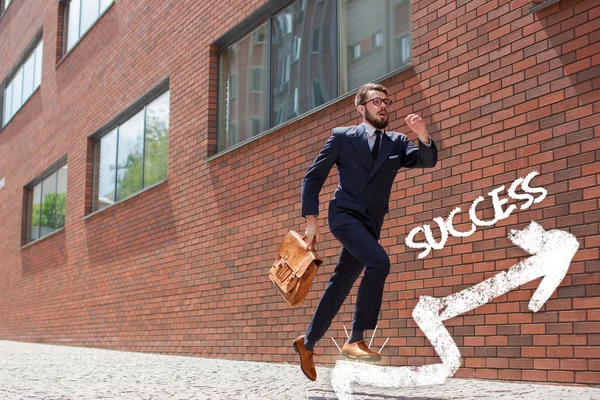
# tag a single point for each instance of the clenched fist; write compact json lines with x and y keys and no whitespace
{"x":417,"y":125}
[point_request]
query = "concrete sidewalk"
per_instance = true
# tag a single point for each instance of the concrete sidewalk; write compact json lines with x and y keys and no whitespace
{"x":39,"y":371}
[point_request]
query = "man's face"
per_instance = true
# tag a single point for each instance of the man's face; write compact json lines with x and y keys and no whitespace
{"x":376,"y":115}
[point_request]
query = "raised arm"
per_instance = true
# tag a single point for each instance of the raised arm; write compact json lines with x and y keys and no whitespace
{"x":422,"y":156}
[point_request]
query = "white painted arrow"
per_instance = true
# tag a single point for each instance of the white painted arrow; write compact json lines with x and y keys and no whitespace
{"x":551,"y":251}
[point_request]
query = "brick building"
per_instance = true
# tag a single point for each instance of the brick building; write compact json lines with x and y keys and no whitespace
{"x":152,"y":152}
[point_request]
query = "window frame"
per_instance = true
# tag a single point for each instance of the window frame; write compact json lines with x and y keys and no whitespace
{"x":131,"y":111}
{"x":317,"y":36}
{"x":64,"y":41}
{"x":29,"y":189}
{"x":29,"y":51}
{"x":5,"y":6}
{"x":266,"y":14}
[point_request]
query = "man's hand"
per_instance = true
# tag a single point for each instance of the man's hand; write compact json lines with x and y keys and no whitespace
{"x":312,"y":229}
{"x":417,"y":125}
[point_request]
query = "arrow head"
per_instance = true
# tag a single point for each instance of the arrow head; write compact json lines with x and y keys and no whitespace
{"x":553,"y":251}
{"x":555,"y":257}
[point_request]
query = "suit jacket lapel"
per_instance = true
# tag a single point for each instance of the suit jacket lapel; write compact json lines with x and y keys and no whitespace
{"x":361,"y":145}
{"x":387,"y":145}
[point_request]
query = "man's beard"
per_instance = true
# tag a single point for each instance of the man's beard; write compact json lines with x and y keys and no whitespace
{"x":377,"y":123}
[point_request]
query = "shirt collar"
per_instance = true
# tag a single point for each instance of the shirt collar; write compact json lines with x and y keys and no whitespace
{"x":370,"y":129}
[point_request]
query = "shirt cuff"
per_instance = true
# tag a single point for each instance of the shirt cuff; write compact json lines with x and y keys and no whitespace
{"x":427,"y":145}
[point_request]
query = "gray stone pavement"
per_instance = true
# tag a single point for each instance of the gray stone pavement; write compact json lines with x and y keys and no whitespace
{"x":40,"y":371}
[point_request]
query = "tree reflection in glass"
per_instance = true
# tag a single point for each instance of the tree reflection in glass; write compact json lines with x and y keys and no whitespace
{"x":129,"y":157}
{"x":157,"y":140}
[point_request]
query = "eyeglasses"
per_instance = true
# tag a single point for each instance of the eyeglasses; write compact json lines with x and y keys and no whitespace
{"x":377,"y":101}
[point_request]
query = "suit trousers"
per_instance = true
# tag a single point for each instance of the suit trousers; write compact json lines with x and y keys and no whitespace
{"x":359,"y":249}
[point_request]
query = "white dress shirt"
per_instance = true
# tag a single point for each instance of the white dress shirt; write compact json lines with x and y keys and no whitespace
{"x":370,"y":129}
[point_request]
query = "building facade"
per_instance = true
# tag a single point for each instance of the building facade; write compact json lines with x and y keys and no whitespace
{"x":152,"y":154}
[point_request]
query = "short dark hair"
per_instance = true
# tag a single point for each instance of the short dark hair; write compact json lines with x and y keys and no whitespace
{"x":361,"y":95}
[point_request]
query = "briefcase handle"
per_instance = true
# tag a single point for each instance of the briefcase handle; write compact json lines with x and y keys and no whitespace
{"x":310,"y":246}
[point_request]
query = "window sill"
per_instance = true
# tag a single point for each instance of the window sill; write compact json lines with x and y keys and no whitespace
{"x":306,"y":114}
{"x":56,"y":232}
{"x":22,"y":106}
{"x":124,"y":200}
{"x":84,"y":35}
{"x":541,"y":6}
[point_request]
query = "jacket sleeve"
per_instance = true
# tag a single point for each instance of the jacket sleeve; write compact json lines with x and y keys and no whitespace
{"x":317,"y":174}
{"x":423,"y":156}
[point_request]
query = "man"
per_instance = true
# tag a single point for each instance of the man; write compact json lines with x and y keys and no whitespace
{"x":367,"y":159}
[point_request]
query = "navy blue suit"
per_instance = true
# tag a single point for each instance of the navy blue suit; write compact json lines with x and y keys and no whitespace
{"x":356,"y":215}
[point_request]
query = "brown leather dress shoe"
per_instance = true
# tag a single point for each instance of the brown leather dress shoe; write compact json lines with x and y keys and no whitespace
{"x":360,"y":351}
{"x":307,"y":363}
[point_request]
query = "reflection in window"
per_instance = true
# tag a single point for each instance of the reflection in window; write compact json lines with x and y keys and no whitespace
{"x":132,"y":156}
{"x":244,"y":69}
{"x":261,"y":35}
{"x":402,"y":50}
{"x":255,"y":126}
{"x":22,"y":85}
{"x":354,"y":51}
{"x":364,"y":24}
{"x":35,"y":215}
{"x":316,"y":39}
{"x":257,"y":77}
{"x":292,"y":93}
{"x":107,"y":178}
{"x":61,"y":195}
{"x":317,"y":94}
{"x":297,"y":47}
{"x":378,"y":39}
{"x":47,"y":204}
{"x":48,"y":208}
{"x":318,"y":50}
{"x":81,"y":15}
{"x":157,"y":140}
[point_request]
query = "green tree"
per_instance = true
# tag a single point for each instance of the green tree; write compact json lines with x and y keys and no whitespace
{"x":155,"y":165}
{"x":54,"y":202}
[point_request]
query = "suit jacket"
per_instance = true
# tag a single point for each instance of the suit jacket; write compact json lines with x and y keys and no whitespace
{"x":364,"y":184}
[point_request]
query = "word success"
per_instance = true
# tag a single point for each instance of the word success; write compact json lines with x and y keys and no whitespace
{"x":447,"y":227}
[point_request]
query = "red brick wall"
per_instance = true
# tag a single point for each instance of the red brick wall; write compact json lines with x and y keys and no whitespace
{"x":182,"y":268}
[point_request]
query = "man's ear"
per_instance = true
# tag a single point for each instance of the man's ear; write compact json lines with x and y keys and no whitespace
{"x":361,"y":110}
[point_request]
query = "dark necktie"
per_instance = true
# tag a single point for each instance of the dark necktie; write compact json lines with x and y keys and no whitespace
{"x":375,"y":150}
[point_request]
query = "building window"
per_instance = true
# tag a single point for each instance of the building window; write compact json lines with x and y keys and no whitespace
{"x":297,"y":47}
{"x":296,"y":103}
{"x":260,"y":36}
{"x":232,"y":86}
{"x":317,"y":50}
{"x":354,"y":51}
{"x":249,"y":64}
{"x":22,"y":83}
{"x":46,"y":205}
{"x":316,"y":40}
{"x":256,"y":128}
{"x":402,"y":51}
{"x":80,"y":15}
{"x":317,"y":94}
{"x":378,"y":39}
{"x":257,"y":80}
{"x":133,"y":155}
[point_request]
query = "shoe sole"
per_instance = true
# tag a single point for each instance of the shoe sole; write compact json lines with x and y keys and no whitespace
{"x":362,"y":359}
{"x":302,"y":369}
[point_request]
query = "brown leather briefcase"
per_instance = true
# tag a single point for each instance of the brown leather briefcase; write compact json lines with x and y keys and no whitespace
{"x":294,"y":268}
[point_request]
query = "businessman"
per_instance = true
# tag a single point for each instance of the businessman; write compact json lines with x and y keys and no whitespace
{"x":367,"y":158}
